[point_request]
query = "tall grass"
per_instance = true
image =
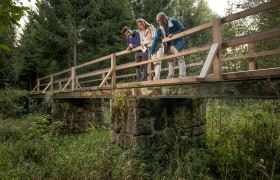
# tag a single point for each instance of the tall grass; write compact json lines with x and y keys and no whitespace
{"x":243,"y":141}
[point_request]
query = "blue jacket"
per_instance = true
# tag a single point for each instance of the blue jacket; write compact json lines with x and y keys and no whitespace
{"x":135,"y":39}
{"x":174,"y":27}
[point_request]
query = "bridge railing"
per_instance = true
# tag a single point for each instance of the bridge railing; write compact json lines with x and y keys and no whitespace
{"x":71,"y":80}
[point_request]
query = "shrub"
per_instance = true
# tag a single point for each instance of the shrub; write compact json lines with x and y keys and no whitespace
{"x":13,"y":103}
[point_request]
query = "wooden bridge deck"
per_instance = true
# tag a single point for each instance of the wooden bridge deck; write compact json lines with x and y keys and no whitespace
{"x":85,"y":80}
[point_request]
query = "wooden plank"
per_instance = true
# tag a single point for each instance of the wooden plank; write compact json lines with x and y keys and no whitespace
{"x":56,"y":74}
{"x":252,"y":60}
{"x":34,"y":88}
{"x":62,"y":72}
{"x":189,"y":31}
{"x":94,"y":61}
{"x":59,"y":86}
{"x":126,"y":75}
{"x":73,"y":77}
{"x":105,"y":87}
{"x":268,"y":34}
{"x":103,"y":76}
{"x":251,"y":11}
{"x":61,"y":80}
{"x":106,"y":78}
{"x":45,"y":84}
{"x":194,"y":64}
{"x":190,"y":79}
{"x":217,"y":38}
{"x":46,"y":77}
{"x":51,"y":81}
{"x":150,"y":72}
{"x":186,"y":52}
{"x":65,"y":86}
{"x":235,"y":58}
{"x":254,"y":73}
{"x":163,"y":69}
{"x":94,"y":80}
{"x":94,"y":73}
{"x":209,"y":61}
{"x":44,"y":91}
{"x":266,"y":53}
{"x":208,"y":78}
{"x":76,"y":83}
{"x":272,"y":72}
{"x":255,"y":55}
{"x":93,"y":88}
{"x":113,"y":67}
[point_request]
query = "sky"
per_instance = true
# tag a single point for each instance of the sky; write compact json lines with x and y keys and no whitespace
{"x":219,"y":6}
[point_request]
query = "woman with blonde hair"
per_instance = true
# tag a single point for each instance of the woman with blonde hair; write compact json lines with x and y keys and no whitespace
{"x":147,"y":33}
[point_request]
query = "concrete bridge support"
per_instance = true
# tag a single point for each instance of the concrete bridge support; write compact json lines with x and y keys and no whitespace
{"x":157,"y":123}
{"x":78,"y":114}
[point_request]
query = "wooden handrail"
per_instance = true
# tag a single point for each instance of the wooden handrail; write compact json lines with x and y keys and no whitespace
{"x":93,"y":61}
{"x":255,"y":55}
{"x":186,"y":52}
{"x":94,"y":73}
{"x":258,"y":36}
{"x":62,"y":72}
{"x":251,"y":11}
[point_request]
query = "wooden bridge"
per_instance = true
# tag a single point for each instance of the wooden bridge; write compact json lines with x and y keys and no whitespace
{"x":71,"y":80}
{"x":84,"y":86}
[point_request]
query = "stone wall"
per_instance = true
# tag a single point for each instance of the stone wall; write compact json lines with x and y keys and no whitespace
{"x":78,"y":114}
{"x":157,"y":122}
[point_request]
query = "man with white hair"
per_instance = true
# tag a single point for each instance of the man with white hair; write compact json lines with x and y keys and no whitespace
{"x":167,"y":28}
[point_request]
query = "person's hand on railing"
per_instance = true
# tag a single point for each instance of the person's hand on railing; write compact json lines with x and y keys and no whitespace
{"x":130,"y":47}
{"x":170,"y":35}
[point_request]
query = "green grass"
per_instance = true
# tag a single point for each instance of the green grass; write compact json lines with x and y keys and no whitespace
{"x":239,"y":134}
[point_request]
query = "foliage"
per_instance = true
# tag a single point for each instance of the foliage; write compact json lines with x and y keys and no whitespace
{"x":10,"y":64}
{"x":92,"y":27}
{"x":10,"y":14}
{"x":245,"y":26}
{"x":13,"y":103}
{"x":239,"y":134}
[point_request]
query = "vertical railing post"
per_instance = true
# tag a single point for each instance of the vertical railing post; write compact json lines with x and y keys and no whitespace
{"x":217,"y":38}
{"x":252,"y":60}
{"x":150,"y":74}
{"x":38,"y":85}
{"x":103,"y":75}
{"x":51,"y":81}
{"x":59,"y":86}
{"x":113,"y":67}
{"x":76,"y":82}
{"x":73,"y":78}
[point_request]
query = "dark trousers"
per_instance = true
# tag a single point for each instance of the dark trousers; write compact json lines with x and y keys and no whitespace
{"x":141,"y":71}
